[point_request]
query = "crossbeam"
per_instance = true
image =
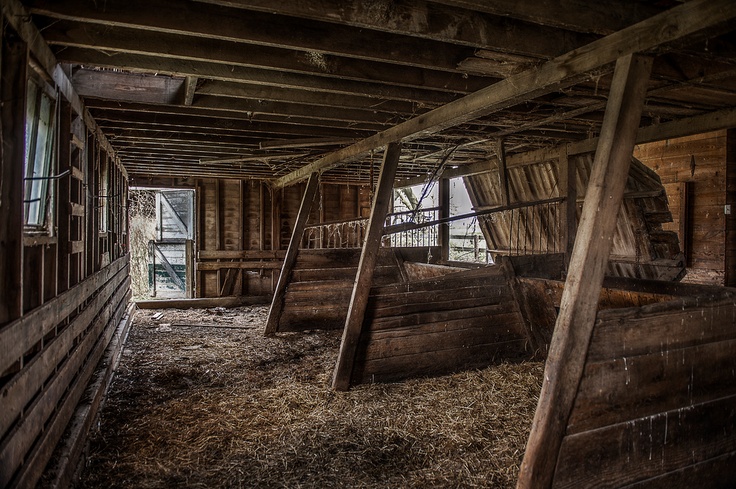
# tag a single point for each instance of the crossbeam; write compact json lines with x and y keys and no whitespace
{"x":560,"y":72}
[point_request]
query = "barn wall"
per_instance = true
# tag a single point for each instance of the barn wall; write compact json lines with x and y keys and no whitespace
{"x":695,"y":166}
{"x":655,"y":407}
{"x":244,"y":227}
{"x":65,"y":283}
{"x":642,"y":247}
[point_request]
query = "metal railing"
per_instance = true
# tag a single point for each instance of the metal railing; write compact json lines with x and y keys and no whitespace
{"x":525,"y":230}
{"x":416,"y":236}
{"x":338,"y":234}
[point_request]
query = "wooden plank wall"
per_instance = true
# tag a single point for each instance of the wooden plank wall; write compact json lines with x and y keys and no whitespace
{"x":239,"y":253}
{"x":73,"y":288}
{"x":642,"y":248}
{"x":696,"y":164}
{"x":318,"y":293}
{"x":655,"y":407}
{"x":461,"y":320}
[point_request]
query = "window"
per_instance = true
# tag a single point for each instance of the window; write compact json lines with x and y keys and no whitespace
{"x":40,"y":133}
{"x":103,"y":194}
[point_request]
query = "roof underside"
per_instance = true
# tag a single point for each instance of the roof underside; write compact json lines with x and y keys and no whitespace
{"x":260,"y":88}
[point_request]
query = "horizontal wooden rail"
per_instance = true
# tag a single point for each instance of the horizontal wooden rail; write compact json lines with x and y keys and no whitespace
{"x":244,"y":254}
{"x":66,"y":388}
{"x":242,"y":265}
{"x":414,"y":225}
{"x":24,"y":385}
{"x":21,"y":335}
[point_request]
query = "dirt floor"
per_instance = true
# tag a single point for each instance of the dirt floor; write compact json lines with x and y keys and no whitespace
{"x":202,"y":399}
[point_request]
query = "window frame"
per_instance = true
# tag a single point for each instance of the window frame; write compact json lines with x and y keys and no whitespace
{"x":41,"y":156}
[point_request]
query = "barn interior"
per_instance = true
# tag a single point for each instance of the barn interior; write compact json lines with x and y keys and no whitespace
{"x":595,"y":143}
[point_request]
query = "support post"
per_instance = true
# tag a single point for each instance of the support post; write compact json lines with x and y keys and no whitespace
{"x":366,"y":266}
{"x":503,"y":174}
{"x":568,"y":216}
{"x":444,"y":229}
{"x":277,"y":305}
{"x":13,"y":66}
{"x":578,"y":309}
{"x":684,"y":226}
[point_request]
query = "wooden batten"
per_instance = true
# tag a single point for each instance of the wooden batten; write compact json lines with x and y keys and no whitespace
{"x":364,"y":277}
{"x":277,"y":305}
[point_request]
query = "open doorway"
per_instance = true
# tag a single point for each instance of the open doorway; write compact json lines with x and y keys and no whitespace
{"x":162,"y":243}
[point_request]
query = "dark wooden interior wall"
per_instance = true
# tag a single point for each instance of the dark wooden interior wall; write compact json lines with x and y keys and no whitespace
{"x":655,"y":407}
{"x":693,"y":170}
{"x":237,"y":222}
{"x":65,"y":285}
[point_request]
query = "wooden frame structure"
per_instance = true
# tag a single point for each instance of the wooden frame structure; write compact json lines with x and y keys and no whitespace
{"x":317,"y":95}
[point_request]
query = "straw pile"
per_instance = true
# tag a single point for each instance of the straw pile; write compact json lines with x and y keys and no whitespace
{"x":224,"y":407}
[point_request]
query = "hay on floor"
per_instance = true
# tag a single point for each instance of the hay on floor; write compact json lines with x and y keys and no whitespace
{"x":226,"y":407}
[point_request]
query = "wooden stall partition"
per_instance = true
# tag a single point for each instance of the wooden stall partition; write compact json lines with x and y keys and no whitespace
{"x":318,"y":294}
{"x":656,"y":406}
{"x":456,"y":321}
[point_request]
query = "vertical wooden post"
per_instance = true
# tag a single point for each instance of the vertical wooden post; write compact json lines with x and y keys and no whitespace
{"x":503,"y":173}
{"x":13,"y":78}
{"x":277,"y":305}
{"x":275,"y":230}
{"x":684,"y":218}
{"x":366,"y":266}
{"x":730,"y":210}
{"x":198,"y":237}
{"x":63,"y":197}
{"x":444,"y":229}
{"x":189,"y":260}
{"x":578,"y":309}
{"x":568,"y":215}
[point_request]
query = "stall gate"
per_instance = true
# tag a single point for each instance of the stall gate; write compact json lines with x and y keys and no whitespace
{"x":172,"y":251}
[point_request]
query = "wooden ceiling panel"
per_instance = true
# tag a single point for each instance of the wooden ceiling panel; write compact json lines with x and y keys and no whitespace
{"x":248,"y":84}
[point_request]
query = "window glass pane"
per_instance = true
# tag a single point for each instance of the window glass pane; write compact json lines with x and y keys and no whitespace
{"x":39,"y":153}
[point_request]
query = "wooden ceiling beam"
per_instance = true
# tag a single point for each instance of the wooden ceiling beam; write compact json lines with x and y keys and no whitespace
{"x":714,"y":121}
{"x":132,"y":136}
{"x":260,"y":92}
{"x":576,"y":15}
{"x":669,"y":26}
{"x":66,"y":34}
{"x":240,"y":113}
{"x":177,"y":123}
{"x":183,"y":67}
{"x":211,"y":21}
{"x":427,"y":20}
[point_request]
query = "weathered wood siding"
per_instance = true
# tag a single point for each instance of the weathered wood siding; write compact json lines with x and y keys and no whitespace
{"x":460,"y":320}
{"x":657,"y":403}
{"x":695,"y":165}
{"x":244,"y":227}
{"x":64,"y":294}
{"x":642,"y":248}
{"x":318,"y":294}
